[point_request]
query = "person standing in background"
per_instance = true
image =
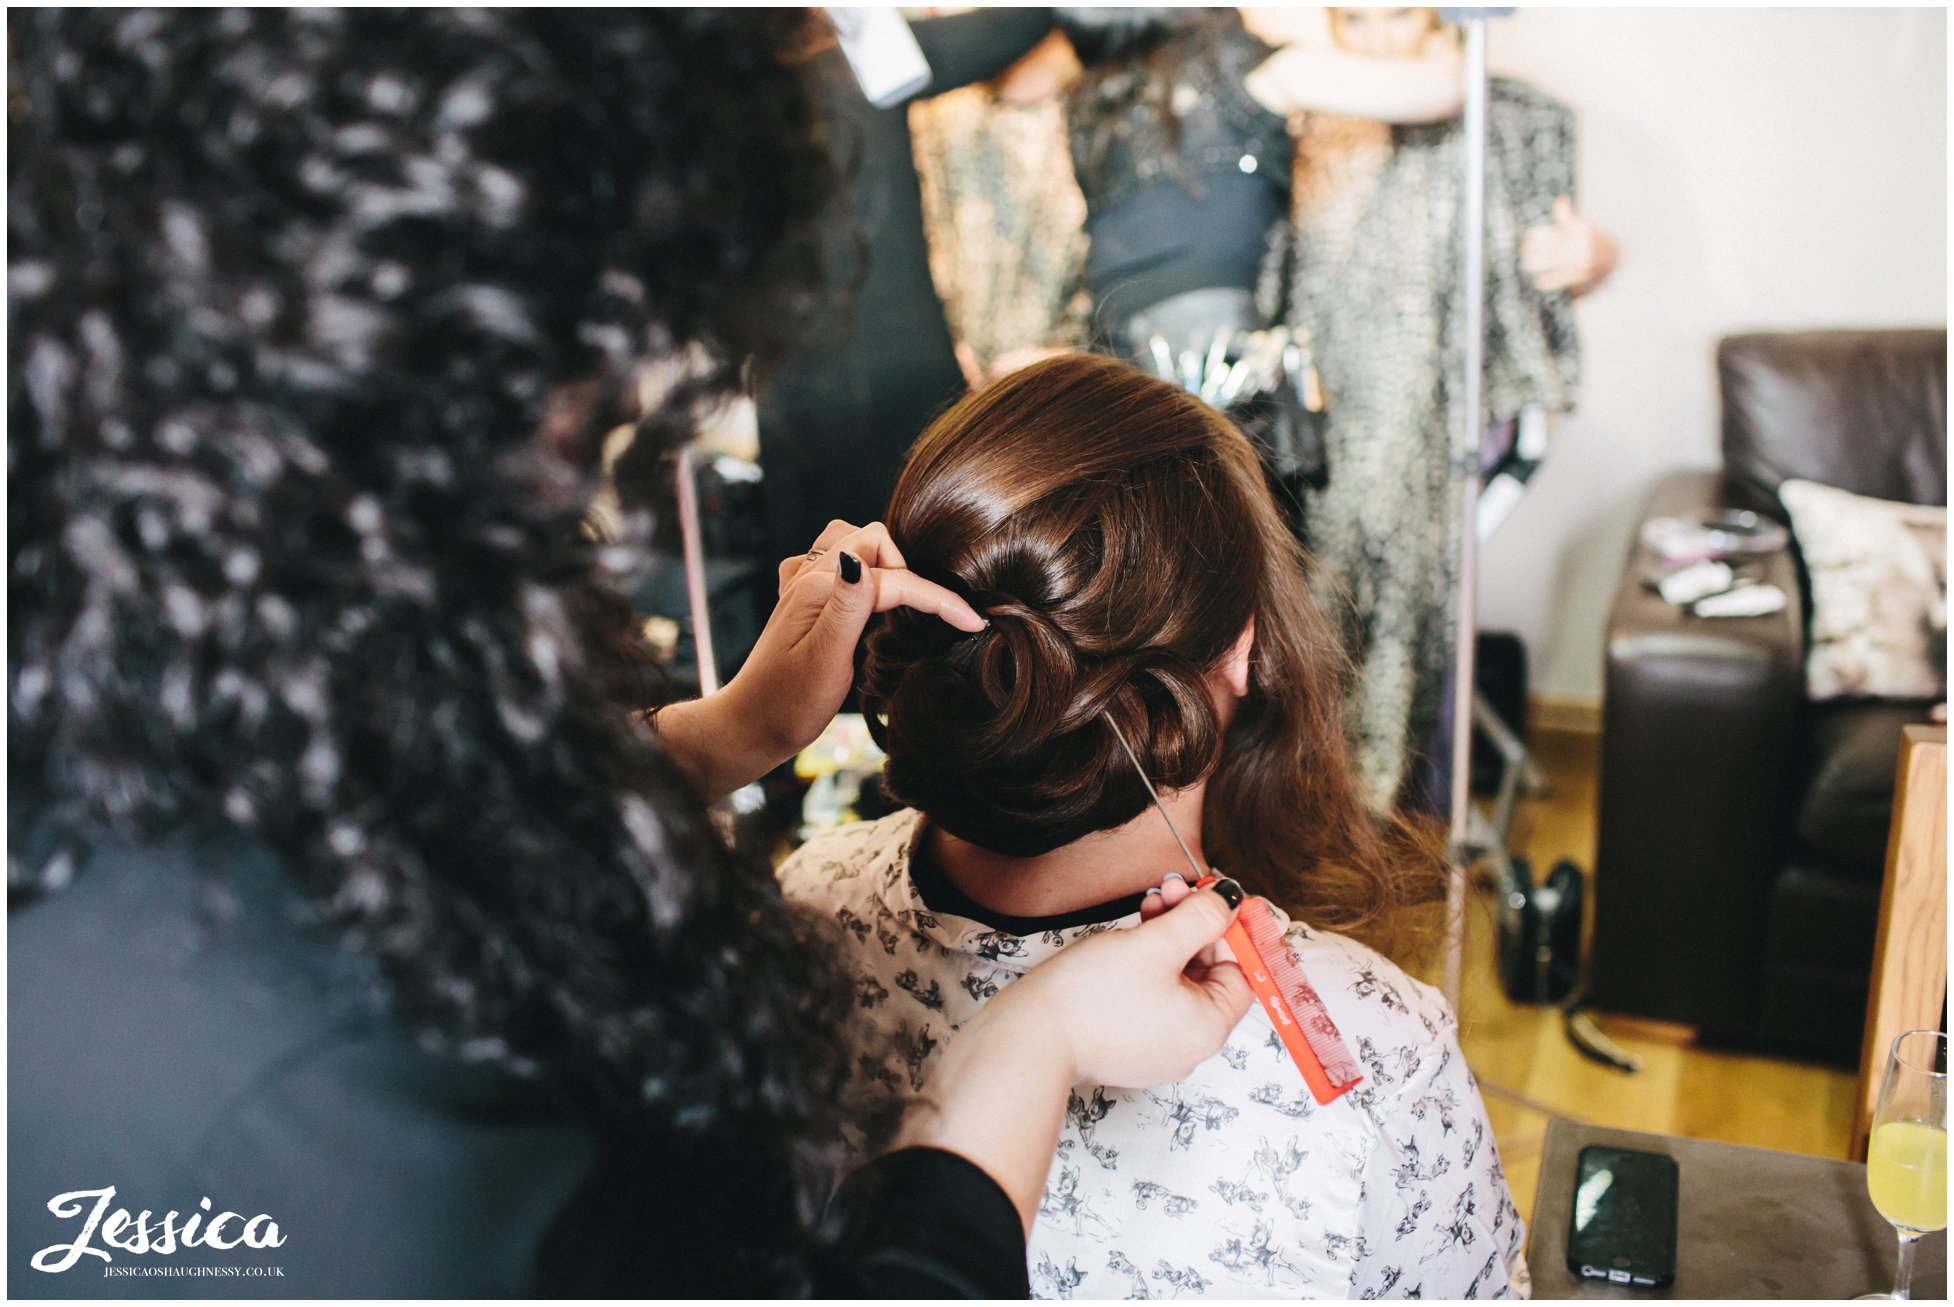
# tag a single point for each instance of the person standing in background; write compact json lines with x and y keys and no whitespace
{"x":1179,"y":136}
{"x":1375,"y":279}
{"x":1170,"y":125}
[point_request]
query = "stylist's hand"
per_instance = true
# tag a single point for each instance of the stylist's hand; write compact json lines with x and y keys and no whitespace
{"x":802,"y":667}
{"x":1142,"y":1006}
{"x":794,"y":681}
{"x":1128,"y":1008}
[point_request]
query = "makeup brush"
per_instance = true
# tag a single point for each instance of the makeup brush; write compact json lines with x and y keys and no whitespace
{"x":1163,"y":358}
{"x":1214,"y":368}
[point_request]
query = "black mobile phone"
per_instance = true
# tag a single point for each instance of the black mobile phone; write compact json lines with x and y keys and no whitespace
{"x":1624,"y":1223}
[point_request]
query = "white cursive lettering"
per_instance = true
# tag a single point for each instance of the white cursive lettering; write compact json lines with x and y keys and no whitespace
{"x":265,"y":1238}
{"x":67,"y":1206}
{"x":135,"y":1234}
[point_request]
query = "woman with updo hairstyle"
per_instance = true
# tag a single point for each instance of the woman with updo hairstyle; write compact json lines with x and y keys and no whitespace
{"x":1139,"y":582}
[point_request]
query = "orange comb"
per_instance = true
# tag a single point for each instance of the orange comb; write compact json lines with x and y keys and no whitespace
{"x":1274,"y":974}
{"x":1292,"y":1003}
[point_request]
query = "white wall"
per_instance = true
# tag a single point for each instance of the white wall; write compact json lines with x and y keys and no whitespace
{"x":1760,"y":169}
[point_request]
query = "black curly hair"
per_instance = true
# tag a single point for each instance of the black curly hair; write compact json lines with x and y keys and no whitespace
{"x":316,"y":322}
{"x":1136,"y":58}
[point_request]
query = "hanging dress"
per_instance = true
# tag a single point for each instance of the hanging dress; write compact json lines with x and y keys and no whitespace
{"x":1377,"y":269}
{"x":1004,"y":219}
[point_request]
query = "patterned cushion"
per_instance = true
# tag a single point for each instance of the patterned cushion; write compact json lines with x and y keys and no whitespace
{"x":1879,"y":593}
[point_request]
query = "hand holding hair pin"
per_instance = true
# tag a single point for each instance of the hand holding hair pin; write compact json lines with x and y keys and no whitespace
{"x":1273,"y":970}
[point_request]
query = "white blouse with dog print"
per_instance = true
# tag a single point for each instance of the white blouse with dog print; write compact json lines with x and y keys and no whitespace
{"x":1233,"y":1182}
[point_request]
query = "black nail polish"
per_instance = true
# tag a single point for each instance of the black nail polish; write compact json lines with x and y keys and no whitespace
{"x":851,"y":568}
{"x":1230,"y":892}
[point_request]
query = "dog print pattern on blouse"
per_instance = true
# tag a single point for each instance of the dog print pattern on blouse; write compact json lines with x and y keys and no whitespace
{"x":1233,"y":1182}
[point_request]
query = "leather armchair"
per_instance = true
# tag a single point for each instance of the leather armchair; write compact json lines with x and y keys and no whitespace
{"x":1742,"y":829}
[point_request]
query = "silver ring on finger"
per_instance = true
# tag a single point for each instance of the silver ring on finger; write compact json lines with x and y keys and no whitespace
{"x":814,"y":554}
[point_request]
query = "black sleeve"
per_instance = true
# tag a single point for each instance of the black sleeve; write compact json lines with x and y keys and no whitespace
{"x":975,"y":47}
{"x":923,"y":1223}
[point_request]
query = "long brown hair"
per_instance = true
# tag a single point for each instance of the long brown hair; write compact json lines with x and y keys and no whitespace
{"x":1120,"y":535}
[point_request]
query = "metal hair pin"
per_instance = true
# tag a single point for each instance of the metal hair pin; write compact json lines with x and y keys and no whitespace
{"x":1154,"y":794}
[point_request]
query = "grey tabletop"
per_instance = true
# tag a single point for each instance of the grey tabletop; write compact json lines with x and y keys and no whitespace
{"x":1752,"y":1223}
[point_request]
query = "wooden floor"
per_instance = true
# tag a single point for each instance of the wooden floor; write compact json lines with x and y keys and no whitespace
{"x":1524,"y":1062}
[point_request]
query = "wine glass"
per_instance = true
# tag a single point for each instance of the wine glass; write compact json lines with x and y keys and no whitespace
{"x":1906,"y":1157}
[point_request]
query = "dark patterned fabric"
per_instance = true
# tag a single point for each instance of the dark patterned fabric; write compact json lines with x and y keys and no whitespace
{"x":1211,"y":118}
{"x":1234,"y":1182}
{"x":1005,"y":221}
{"x":1377,"y":269}
{"x":1182,"y":170}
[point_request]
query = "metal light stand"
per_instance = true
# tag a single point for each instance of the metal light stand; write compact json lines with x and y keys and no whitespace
{"x":1474,"y":839}
{"x":693,"y":551}
{"x":1465,"y":470}
{"x":748,"y":799}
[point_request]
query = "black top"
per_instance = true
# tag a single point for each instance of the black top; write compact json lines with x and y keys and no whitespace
{"x":836,"y":421}
{"x":179,"y":1031}
{"x":941,"y":894}
{"x":1184,"y":200}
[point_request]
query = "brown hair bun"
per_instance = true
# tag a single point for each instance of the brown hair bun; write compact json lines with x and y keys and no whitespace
{"x":1047,"y":500}
{"x":1120,"y":536}
{"x":1002,"y":737}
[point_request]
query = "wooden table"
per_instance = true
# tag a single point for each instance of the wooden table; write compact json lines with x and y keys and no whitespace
{"x":1752,"y":1223}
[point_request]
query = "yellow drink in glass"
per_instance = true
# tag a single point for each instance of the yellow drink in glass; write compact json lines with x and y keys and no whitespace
{"x":1906,"y":1173}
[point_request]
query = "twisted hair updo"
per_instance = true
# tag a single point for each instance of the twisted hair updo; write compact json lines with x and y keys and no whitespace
{"x":1120,"y":536}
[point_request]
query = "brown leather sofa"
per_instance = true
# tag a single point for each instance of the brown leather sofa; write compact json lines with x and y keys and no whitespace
{"x":1742,"y":828}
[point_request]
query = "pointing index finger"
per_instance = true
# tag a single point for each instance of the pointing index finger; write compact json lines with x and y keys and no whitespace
{"x":898,"y":588}
{"x":873,"y":545}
